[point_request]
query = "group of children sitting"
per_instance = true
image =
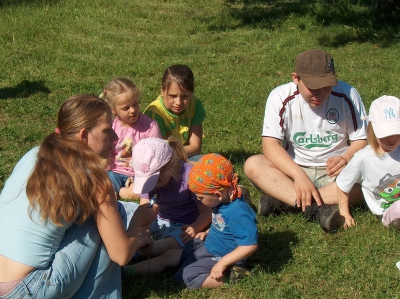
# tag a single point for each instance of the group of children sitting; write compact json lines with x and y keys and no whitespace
{"x":203,"y":225}
{"x":314,"y":148}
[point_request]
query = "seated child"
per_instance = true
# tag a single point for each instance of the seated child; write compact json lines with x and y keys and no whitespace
{"x":232,"y":237}
{"x":162,"y":170}
{"x":131,"y":126}
{"x":377,"y":167}
{"x":177,"y":110}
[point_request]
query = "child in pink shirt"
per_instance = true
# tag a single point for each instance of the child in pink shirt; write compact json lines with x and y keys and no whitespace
{"x":131,"y":126}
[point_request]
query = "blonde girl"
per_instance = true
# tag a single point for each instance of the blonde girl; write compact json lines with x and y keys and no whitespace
{"x":376,"y":167}
{"x":131,"y":126}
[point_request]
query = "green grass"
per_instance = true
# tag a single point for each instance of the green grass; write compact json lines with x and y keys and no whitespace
{"x":239,"y":51}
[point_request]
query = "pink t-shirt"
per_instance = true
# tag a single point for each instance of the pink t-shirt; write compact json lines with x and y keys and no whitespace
{"x":128,"y":136}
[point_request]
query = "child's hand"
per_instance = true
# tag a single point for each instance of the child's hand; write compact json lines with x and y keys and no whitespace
{"x":144,"y":215}
{"x":201,"y":235}
{"x":348,"y":221}
{"x":147,"y":241}
{"x":334,"y":165}
{"x":217,"y":272}
{"x":188,"y":233}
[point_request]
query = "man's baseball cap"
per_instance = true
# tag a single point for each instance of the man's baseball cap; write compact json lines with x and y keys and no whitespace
{"x":384,"y":115}
{"x":316,"y":69}
{"x":148,"y":156}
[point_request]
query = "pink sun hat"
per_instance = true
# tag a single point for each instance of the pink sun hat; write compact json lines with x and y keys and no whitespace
{"x":148,"y":156}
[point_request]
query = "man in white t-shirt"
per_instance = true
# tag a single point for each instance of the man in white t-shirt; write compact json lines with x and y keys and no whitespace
{"x":312,"y":128}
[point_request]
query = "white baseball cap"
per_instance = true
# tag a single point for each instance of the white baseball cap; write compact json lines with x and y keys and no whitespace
{"x":384,"y":115}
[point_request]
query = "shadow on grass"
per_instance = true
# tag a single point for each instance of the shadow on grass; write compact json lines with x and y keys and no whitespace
{"x":5,"y":3}
{"x":160,"y":285}
{"x":23,"y":89}
{"x":274,"y":250}
{"x":357,"y":20}
{"x":236,"y":157}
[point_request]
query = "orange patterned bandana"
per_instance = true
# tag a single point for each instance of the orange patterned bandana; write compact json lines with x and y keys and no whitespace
{"x":213,"y":173}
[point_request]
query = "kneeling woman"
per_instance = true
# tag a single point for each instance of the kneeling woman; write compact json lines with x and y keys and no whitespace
{"x":62,"y":231}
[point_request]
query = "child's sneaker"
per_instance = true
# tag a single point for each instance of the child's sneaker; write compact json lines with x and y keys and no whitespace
{"x":246,"y":197}
{"x":268,"y":205}
{"x":237,"y":273}
{"x":328,"y":216}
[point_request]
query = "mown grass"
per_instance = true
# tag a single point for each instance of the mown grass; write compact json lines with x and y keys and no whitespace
{"x":239,"y":51}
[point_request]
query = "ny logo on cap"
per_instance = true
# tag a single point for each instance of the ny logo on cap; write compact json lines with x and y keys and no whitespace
{"x":389,"y":113}
{"x":331,"y":65}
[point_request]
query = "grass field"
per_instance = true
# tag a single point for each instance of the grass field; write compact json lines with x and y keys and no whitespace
{"x":239,"y":50}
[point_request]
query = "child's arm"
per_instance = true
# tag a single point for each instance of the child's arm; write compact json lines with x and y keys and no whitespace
{"x":334,"y":165}
{"x":195,"y":140}
{"x":343,"y":203}
{"x":145,"y":236}
{"x":240,"y":253}
{"x":202,"y":221}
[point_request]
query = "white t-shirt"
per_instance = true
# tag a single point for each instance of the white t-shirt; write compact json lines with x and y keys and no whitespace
{"x":379,"y":178}
{"x":313,"y":134}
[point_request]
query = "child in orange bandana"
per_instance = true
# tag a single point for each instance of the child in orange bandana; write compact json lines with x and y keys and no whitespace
{"x":213,"y":255}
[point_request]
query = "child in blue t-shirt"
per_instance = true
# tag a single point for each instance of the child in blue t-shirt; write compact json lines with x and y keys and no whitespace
{"x":231,"y":239}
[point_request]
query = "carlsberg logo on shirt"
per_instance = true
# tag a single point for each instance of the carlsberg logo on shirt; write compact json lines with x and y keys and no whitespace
{"x":314,"y":140}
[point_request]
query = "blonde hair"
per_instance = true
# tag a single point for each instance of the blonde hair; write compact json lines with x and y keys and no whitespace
{"x":69,"y":178}
{"x":178,"y":155}
{"x":116,"y":87}
{"x":373,"y":141}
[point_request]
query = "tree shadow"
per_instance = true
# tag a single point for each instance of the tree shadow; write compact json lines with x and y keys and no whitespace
{"x":358,"y":20}
{"x":23,"y":89}
{"x":5,"y":3}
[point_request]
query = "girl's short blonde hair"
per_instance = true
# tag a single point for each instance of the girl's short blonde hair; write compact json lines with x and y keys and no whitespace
{"x":373,"y":141}
{"x":116,"y":87}
{"x":178,"y":155}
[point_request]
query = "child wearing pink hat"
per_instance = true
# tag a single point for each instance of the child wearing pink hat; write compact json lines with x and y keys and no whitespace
{"x":161,"y":173}
{"x":217,"y":255}
{"x":377,"y":167}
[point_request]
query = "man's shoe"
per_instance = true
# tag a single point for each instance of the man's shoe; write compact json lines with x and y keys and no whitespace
{"x":268,"y":205}
{"x":328,"y":216}
{"x":246,"y":197}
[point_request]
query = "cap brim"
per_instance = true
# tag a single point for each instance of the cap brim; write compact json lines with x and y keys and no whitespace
{"x":145,"y":184}
{"x":319,"y":82}
{"x":386,"y":129}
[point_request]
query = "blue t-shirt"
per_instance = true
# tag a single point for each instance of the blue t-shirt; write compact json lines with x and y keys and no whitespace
{"x":233,"y":225}
{"x":25,"y":238}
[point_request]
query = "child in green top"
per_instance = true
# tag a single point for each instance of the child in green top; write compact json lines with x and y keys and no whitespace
{"x":177,"y":110}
